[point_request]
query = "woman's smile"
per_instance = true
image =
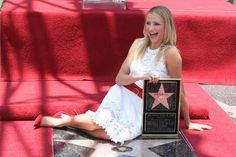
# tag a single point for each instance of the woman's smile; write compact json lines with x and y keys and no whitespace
{"x":154,"y":28}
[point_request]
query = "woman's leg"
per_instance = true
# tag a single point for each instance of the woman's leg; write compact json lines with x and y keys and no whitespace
{"x":99,"y":133}
{"x":82,"y":121}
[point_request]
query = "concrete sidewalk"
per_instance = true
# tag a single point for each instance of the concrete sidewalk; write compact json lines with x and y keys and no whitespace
{"x":225,"y":96}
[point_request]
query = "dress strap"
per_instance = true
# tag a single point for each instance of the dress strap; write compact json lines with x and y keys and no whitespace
{"x":135,"y":89}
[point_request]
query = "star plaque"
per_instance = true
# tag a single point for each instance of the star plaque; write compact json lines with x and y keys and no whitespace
{"x":161,"y":97}
{"x":161,"y":108}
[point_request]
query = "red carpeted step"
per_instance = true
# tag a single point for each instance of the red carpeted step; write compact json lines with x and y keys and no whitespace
{"x":58,"y":40}
{"x":193,"y":7}
{"x":18,"y":138}
{"x":26,"y":99}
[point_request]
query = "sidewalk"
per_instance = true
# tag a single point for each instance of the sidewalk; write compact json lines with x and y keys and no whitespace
{"x":225,"y":96}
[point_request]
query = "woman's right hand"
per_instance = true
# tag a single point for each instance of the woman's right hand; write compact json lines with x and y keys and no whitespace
{"x":153,"y":78}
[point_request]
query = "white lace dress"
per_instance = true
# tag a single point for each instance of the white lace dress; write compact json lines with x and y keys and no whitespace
{"x":120,"y":112}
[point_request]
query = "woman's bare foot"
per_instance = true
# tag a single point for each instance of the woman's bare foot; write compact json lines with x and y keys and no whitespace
{"x":48,"y":121}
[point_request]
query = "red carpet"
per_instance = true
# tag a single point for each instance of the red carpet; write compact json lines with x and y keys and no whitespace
{"x":220,"y":140}
{"x":57,"y":40}
{"x":23,"y":102}
{"x":49,"y":48}
{"x":19,"y":139}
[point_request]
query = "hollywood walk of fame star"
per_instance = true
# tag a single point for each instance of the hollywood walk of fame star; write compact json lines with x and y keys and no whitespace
{"x":161,"y":97}
{"x":97,"y":148}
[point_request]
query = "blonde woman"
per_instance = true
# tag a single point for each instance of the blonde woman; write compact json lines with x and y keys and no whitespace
{"x":119,"y":117}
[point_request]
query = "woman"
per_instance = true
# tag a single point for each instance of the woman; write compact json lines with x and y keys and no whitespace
{"x":119,"y":117}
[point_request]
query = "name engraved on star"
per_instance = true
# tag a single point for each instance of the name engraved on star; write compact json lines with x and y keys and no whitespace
{"x":160,"y":122}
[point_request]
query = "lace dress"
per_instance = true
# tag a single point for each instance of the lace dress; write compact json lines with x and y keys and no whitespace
{"x":120,"y":112}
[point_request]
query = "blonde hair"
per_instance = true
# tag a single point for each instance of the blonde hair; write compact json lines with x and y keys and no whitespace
{"x":169,"y":38}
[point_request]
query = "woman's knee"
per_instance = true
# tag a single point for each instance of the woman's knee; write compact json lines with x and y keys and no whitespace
{"x":93,"y":126}
{"x":84,"y":121}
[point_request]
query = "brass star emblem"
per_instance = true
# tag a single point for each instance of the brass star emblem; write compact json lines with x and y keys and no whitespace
{"x":161,"y":97}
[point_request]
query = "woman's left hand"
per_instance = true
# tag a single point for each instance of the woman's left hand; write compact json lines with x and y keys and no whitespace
{"x":198,"y":127}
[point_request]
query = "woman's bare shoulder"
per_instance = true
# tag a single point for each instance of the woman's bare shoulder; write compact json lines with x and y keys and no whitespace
{"x":172,"y":53}
{"x":136,"y":44}
{"x":172,"y":50}
{"x":138,"y":41}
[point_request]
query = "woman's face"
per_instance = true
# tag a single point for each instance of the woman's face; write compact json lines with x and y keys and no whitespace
{"x":154,"y":29}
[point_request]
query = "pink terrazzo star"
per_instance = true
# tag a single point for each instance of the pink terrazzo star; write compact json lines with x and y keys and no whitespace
{"x":161,"y":98}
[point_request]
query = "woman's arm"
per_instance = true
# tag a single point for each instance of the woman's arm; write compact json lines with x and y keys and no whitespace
{"x":174,"y":67}
{"x":123,"y":77}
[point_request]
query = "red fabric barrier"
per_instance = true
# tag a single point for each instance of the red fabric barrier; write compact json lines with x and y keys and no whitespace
{"x":48,"y":40}
{"x":25,"y":100}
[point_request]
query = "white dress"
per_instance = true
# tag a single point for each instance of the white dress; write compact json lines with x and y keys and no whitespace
{"x":120,"y":112}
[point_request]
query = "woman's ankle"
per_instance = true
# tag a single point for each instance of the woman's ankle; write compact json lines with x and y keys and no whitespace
{"x":52,"y":122}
